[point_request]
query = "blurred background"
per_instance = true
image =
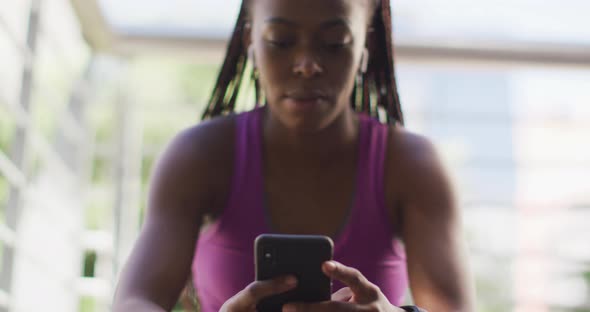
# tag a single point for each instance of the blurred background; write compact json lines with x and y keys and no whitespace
{"x":92,"y":90}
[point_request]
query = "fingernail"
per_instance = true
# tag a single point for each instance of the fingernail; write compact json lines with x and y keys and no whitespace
{"x":330,"y":265}
{"x":289,"y":308}
{"x":291,"y":281}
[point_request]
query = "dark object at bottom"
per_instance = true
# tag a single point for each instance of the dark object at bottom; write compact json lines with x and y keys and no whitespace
{"x":299,"y":255}
{"x":412,"y":309}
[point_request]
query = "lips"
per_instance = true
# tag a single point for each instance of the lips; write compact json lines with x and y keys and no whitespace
{"x":306,"y":95}
{"x":304,"y":101}
{"x":307,"y":99}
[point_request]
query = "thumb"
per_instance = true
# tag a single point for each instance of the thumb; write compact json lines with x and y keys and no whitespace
{"x":344,"y":294}
{"x":363,"y":290}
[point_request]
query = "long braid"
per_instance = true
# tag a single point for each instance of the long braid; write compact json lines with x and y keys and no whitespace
{"x":381,"y":69}
{"x":393,"y":106}
{"x":375,"y":88}
{"x":229,"y":81}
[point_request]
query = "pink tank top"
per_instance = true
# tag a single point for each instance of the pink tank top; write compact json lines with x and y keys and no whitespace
{"x":224,"y":258}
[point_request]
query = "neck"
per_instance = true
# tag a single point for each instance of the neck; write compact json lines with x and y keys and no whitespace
{"x":338,"y":137}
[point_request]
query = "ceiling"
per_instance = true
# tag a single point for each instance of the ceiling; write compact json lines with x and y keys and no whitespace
{"x":562,"y":21}
{"x":533,"y":25}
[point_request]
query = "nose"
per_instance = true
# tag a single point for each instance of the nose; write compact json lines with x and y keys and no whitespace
{"x":306,"y":65}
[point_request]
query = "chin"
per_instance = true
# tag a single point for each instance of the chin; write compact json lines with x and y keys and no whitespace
{"x":304,"y":123}
{"x":306,"y":117}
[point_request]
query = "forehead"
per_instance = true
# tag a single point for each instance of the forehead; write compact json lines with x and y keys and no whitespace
{"x":311,"y":12}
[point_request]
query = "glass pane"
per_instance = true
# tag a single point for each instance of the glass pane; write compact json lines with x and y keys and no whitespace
{"x":62,"y":29}
{"x":519,"y":157}
{"x":520,"y":20}
{"x":11,"y":63}
{"x":4,"y":190}
{"x":15,"y":16}
{"x":7,"y":129}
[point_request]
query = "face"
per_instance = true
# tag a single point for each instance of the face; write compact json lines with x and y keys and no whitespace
{"x":307,"y":53}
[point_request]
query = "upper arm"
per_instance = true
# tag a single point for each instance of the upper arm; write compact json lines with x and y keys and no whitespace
{"x":180,"y":195}
{"x":430,"y":227}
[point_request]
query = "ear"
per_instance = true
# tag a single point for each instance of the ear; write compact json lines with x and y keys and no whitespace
{"x":371,"y":37}
{"x":247,"y":34}
{"x":370,"y":41}
{"x":364,"y":61}
{"x":247,"y":41}
{"x":251,"y":55}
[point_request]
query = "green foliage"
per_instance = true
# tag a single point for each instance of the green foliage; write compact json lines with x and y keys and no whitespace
{"x":570,"y":309}
{"x":1,"y":256}
{"x":7,"y":129}
{"x":98,"y":214}
{"x":87,"y":304}
{"x":197,"y":81}
{"x":586,"y":276}
{"x":36,"y":165}
{"x":103,"y":123}
{"x":160,"y":126}
{"x":147,"y":165}
{"x":101,"y":170}
{"x":4,"y":188}
{"x":89,"y":264}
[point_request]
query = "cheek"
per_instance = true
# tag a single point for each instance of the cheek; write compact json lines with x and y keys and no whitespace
{"x":340,"y":70}
{"x":338,"y":67}
{"x":275,"y":69}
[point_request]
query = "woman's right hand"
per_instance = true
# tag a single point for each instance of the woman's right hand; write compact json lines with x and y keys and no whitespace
{"x":247,"y":299}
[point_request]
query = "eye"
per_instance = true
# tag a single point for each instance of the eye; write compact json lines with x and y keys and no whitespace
{"x":280,"y":44}
{"x":336,"y":45}
{"x":335,"y":40}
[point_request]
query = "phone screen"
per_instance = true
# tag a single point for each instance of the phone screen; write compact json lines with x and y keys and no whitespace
{"x":298,"y":255}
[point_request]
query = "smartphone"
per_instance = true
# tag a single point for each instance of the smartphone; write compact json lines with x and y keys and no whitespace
{"x":298,"y":255}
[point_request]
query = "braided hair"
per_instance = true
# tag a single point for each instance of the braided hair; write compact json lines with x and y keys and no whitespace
{"x":375,"y":89}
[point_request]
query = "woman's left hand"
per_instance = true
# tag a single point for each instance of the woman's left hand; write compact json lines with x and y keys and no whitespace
{"x":360,"y":295}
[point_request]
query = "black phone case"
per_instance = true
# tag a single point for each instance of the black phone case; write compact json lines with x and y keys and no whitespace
{"x":298,"y":255}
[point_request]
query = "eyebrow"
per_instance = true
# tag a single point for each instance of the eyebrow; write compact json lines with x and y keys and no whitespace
{"x":336,"y":22}
{"x":280,"y":20}
{"x":327,"y":24}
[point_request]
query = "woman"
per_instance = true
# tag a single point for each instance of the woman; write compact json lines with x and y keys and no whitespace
{"x":313,"y":160}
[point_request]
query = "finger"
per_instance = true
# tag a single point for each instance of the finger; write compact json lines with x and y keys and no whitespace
{"x":352,"y":278}
{"x":326,"y":306}
{"x":344,"y":294}
{"x":258,"y":290}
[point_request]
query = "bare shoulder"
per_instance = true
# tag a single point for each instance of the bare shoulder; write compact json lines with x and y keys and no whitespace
{"x":196,"y":165}
{"x":206,"y":141}
{"x":415,"y":174}
{"x":411,"y":151}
